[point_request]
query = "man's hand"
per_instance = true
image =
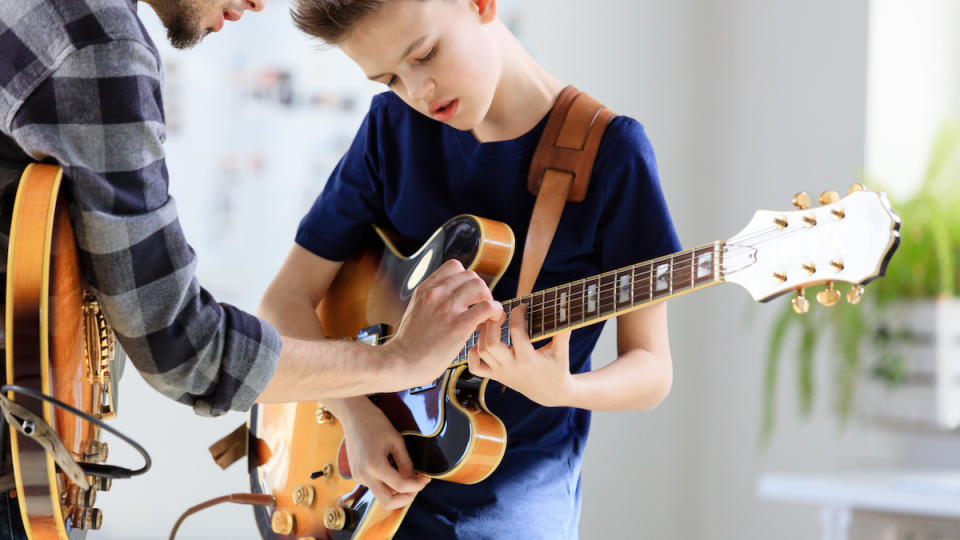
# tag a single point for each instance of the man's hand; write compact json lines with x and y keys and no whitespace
{"x":373,"y":448}
{"x":543,"y":375}
{"x":445,"y":310}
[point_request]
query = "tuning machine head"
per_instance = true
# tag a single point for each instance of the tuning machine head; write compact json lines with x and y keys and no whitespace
{"x":800,"y":303}
{"x":829,"y":197}
{"x":855,"y":294}
{"x":829,"y":296}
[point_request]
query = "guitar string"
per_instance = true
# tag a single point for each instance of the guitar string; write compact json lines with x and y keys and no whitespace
{"x":733,"y":251}
{"x":606,"y":305}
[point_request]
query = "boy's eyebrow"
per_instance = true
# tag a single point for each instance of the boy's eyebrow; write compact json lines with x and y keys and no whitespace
{"x":406,"y":53}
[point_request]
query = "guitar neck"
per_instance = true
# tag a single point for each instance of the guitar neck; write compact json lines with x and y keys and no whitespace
{"x":597,"y":298}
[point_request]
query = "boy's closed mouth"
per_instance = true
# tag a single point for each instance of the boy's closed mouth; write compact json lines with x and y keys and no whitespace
{"x":444,"y":110}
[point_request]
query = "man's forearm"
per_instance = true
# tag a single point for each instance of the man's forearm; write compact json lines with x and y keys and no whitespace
{"x":324,"y":368}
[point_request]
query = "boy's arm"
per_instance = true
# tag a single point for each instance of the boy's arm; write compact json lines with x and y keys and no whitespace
{"x":639,"y":378}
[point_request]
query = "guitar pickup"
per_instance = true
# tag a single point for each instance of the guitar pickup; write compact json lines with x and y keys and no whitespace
{"x":372,"y":334}
{"x":426,"y":387}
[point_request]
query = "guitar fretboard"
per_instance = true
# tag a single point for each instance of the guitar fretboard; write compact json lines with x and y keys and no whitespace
{"x":594,"y":299}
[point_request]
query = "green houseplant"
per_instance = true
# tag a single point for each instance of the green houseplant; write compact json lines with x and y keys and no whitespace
{"x":925,"y":266}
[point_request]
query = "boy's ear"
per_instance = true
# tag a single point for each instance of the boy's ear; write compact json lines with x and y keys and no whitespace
{"x":487,"y":10}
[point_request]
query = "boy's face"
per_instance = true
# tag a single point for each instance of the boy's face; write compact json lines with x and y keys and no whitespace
{"x":439,"y":56}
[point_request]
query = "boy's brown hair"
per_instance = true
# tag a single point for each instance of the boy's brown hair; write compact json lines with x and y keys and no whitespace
{"x":331,"y":20}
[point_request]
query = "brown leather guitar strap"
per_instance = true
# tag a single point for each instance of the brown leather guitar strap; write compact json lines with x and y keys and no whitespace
{"x":560,"y":172}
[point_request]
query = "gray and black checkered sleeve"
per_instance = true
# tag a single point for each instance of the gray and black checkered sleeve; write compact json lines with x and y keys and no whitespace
{"x":100,"y":116}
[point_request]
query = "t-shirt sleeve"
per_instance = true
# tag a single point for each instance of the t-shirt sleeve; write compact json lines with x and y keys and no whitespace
{"x":351,"y":199}
{"x":635,"y":224}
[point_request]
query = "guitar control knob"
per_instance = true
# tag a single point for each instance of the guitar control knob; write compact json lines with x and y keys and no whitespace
{"x":855,"y":188}
{"x":100,"y":483}
{"x":801,"y":200}
{"x":800,"y":303}
{"x":89,"y":497}
{"x":335,"y":518}
{"x":829,"y":296}
{"x":303,"y":495}
{"x":281,"y":522}
{"x":89,"y":518}
{"x":96,"y":451}
{"x":855,"y":294}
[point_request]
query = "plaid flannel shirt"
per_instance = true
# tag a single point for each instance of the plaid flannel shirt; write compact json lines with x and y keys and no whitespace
{"x":80,"y":86}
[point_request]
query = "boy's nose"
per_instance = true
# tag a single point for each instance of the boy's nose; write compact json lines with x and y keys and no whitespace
{"x":255,"y":5}
{"x":423,"y":89}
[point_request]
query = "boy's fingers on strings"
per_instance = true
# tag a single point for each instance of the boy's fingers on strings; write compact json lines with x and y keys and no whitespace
{"x":477,"y":365}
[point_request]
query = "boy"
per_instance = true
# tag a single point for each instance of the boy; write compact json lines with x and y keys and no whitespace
{"x":456,"y":135}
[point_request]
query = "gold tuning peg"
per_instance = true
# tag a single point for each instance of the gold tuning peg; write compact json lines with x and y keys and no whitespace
{"x":801,"y":200}
{"x":800,"y":303}
{"x":829,"y":197}
{"x":855,"y":294}
{"x":856,"y":187}
{"x":829,"y":296}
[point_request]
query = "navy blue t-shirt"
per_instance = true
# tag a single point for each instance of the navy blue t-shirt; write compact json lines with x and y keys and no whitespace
{"x":411,"y":174}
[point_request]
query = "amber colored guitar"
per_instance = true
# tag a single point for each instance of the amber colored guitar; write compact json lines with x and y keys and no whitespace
{"x":296,"y":451}
{"x":57,"y":346}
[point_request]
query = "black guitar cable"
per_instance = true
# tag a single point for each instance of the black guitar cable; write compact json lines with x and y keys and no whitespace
{"x":92,"y":469}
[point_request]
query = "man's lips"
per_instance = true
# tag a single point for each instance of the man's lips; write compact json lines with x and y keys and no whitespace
{"x":227,"y":16}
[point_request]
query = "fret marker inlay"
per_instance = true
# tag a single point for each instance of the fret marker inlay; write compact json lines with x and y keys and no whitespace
{"x":705,"y":265}
{"x":592,"y":297}
{"x":625,"y":288}
{"x":563,"y":307}
{"x":663,"y":273}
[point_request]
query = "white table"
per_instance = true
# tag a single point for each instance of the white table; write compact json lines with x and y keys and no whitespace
{"x":904,"y":497}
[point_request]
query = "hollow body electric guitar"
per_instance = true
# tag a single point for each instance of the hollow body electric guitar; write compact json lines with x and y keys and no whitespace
{"x":57,"y":345}
{"x":296,"y":451}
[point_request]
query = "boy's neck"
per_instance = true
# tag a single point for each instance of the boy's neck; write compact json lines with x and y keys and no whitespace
{"x":525,"y":94}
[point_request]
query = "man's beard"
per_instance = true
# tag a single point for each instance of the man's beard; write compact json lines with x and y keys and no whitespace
{"x":184,"y":29}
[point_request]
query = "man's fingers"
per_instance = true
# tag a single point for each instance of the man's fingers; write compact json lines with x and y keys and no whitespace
{"x":479,"y":313}
{"x":468,"y":288}
{"x":447,"y":269}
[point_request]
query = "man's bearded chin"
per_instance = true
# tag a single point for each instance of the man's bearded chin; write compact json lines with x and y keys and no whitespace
{"x":184,"y":30}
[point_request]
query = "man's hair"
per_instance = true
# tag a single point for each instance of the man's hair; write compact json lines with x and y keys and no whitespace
{"x":331,"y":20}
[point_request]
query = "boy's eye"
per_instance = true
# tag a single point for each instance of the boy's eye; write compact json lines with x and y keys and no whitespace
{"x":393,"y":80}
{"x":426,"y":58}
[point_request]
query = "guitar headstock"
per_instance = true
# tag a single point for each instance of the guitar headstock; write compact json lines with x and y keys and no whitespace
{"x":847,"y":240}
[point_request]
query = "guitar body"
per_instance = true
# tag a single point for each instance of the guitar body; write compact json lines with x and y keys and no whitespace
{"x":46,"y":350}
{"x":448,"y":430}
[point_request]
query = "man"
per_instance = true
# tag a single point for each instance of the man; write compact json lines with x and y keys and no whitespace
{"x":81,"y":86}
